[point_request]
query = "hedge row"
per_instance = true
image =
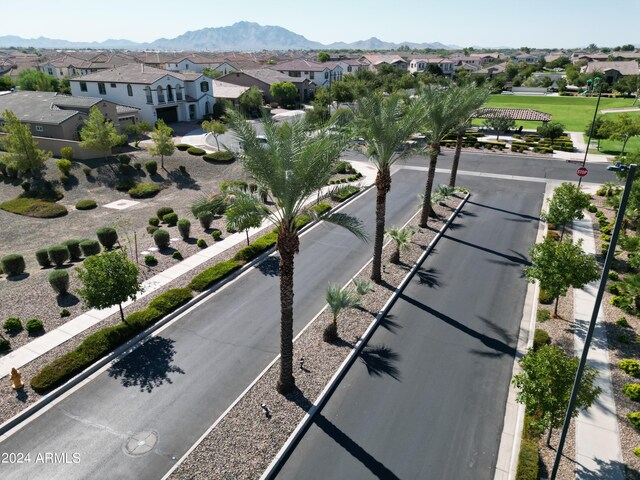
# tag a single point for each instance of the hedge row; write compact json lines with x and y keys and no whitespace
{"x":204,"y":280}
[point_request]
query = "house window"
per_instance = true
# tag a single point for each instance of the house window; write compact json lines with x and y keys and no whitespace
{"x":169,"y":93}
{"x":179,"y":92}
{"x":113,"y":85}
{"x":349,"y":68}
{"x":326,"y":75}
{"x":83,"y":86}
{"x":50,"y":70}
{"x":311,"y":75}
{"x":39,"y":128}
{"x":102,"y":89}
{"x":204,"y":86}
{"x":149,"y":96}
{"x":130,"y":90}
{"x":160,"y":94}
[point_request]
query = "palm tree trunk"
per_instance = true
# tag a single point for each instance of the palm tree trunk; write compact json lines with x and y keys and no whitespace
{"x":426,"y":202}
{"x":288,"y":243}
{"x":383,"y":185}
{"x":456,"y":159}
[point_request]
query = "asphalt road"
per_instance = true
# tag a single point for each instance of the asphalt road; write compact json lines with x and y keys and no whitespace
{"x":426,"y":398}
{"x":178,"y":383}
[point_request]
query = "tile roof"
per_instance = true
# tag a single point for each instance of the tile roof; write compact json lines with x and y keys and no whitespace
{"x":40,"y":107}
{"x":299,"y":65}
{"x":629,"y":67}
{"x":271,"y":76}
{"x":227,"y":90}
{"x":134,"y":73}
{"x":379,"y":58}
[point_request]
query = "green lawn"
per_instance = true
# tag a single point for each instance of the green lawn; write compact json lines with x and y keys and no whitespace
{"x":574,"y":112}
{"x":614,"y":147}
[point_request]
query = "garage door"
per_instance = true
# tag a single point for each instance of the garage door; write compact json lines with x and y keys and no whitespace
{"x":169,"y":114}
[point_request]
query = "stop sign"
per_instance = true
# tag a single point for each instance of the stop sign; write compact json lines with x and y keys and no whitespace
{"x":582,"y":171}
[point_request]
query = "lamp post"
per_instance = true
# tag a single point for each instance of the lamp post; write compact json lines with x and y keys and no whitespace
{"x":594,"y":316}
{"x":592,"y":86}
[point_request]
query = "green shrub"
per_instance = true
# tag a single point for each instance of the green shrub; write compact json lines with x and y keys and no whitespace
{"x":87,"y":171}
{"x":219,"y":157}
{"x":622,"y":322}
{"x":184,"y":227}
{"x":143,"y":319}
{"x":205,"y":219}
{"x":177,"y":255}
{"x":64,"y":166}
{"x":151,"y":229}
{"x":636,"y":451}
{"x":151,"y":166}
{"x":155,"y":221}
{"x":632,"y":390}
{"x":12,"y":325}
{"x":258,"y":246}
{"x":544,"y":298}
{"x":89,"y":247}
{"x":144,"y":190}
{"x":65,"y":313}
{"x":201,"y":243}
{"x":342,"y":193}
{"x":171,"y":219}
{"x":124,"y":159}
{"x":162,"y":211}
{"x":613,"y":276}
{"x":195,"y":151}
{"x":42,"y":256}
{"x":12,"y":264}
{"x":125,"y":184}
{"x":542,"y":315}
{"x":212,"y":274}
{"x":623,"y":302}
{"x":86,"y":204}
{"x":161,"y":238}
{"x":528,"y":460}
{"x":73,"y":246}
{"x":540,"y":339}
{"x":137,"y":166}
{"x":66,"y":153}
{"x":321,"y":208}
{"x":216,"y":234}
{"x":606,"y":229}
{"x":34,"y":207}
{"x":614,"y":289}
{"x":592,"y":208}
{"x":64,"y":179}
{"x":107,"y":236}
{"x":634,"y":418}
{"x":4,"y":345}
{"x":343,"y":167}
{"x":630,"y":366}
{"x":150,"y":260}
{"x":553,"y":235}
{"x":59,"y":281}
{"x":34,"y":326}
{"x":171,"y":299}
{"x":183,"y":146}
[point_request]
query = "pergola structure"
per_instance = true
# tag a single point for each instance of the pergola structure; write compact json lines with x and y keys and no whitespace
{"x":514,"y":113}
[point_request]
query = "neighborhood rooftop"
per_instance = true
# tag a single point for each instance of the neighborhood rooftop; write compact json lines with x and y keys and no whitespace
{"x":44,"y":107}
{"x":134,"y":73}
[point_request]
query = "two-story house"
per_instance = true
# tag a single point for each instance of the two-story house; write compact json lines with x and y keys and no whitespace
{"x":375,"y":61}
{"x":159,"y":94}
{"x":418,"y":65}
{"x":322,"y":74}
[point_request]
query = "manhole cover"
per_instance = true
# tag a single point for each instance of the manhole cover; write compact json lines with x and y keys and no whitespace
{"x":141,"y":443}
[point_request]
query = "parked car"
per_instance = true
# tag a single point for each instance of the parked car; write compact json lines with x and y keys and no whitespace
{"x":617,"y":167}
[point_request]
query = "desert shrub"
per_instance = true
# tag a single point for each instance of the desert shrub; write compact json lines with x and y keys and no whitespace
{"x":59,"y":254}
{"x":59,"y":281}
{"x":150,"y":260}
{"x":213,"y":274}
{"x":542,"y":315}
{"x":107,"y":236}
{"x":162,"y":211}
{"x":151,"y":166}
{"x":183,"y":146}
{"x":613,"y":276}
{"x":42,"y":256}
{"x":75,"y":253}
{"x":4,"y":345}
{"x":195,"y":151}
{"x":177,"y":255}
{"x":87,"y":204}
{"x":553,"y":235}
{"x":632,"y":390}
{"x":90,"y":247}
{"x":12,"y":264}
{"x":137,"y":166}
{"x":161,"y":238}
{"x":184,"y":227}
{"x":344,"y":167}
{"x":171,"y":299}
{"x":171,"y":219}
{"x":64,"y":166}
{"x":342,"y":193}
{"x":630,"y":366}
{"x":622,"y":322}
{"x":540,"y":339}
{"x":634,"y":418}
{"x":124,"y":159}
{"x":12,"y":325}
{"x":321,"y":208}
{"x":216,"y":234}
{"x":144,"y":190}
{"x":220,"y":157}
{"x":65,"y":313}
{"x":34,"y":326}
{"x":183,"y":169}
{"x":66,"y":153}
{"x":592,"y":208}
{"x":64,"y":179}
{"x":125,"y":184}
{"x":544,"y":298}
{"x":201,"y":243}
{"x":205,"y":219}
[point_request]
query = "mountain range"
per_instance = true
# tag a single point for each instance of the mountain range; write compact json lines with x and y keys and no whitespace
{"x":241,"y":36}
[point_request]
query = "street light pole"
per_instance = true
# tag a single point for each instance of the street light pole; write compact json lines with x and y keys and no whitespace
{"x":594,"y":316}
{"x":596,"y":84}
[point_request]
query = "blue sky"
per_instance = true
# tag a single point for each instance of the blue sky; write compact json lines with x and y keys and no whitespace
{"x":490,"y":23}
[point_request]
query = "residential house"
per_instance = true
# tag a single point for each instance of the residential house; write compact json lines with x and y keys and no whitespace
{"x":322,"y":74}
{"x":224,"y":91}
{"x":375,"y":61}
{"x":263,"y":78}
{"x":612,"y":71}
{"x":421,"y":64}
{"x":527,"y":58}
{"x":71,"y":65}
{"x":159,"y":94}
{"x":491,"y":70}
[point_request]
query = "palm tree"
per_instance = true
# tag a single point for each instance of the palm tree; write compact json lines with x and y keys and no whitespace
{"x":384,"y":124}
{"x":292,"y":165}
{"x":473,"y":98}
{"x":445,"y":109}
{"x":340,"y":300}
{"x":401,"y":237}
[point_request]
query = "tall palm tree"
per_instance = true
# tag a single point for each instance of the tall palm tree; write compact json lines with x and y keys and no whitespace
{"x":385,"y":124}
{"x":292,"y":165}
{"x":445,"y":109}
{"x":401,"y":238}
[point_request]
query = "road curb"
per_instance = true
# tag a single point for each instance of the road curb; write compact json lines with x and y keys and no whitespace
{"x":286,"y":449}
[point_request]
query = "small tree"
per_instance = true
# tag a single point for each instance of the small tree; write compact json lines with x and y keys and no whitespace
{"x":162,"y":142}
{"x":23,"y":153}
{"x":215,"y":128}
{"x":251,"y":101}
{"x":545,"y":386}
{"x":139,"y":129}
{"x":551,"y":130}
{"x":212,"y":72}
{"x":240,"y":217}
{"x":499,"y":123}
{"x":598,"y":132}
{"x":99,"y":134}
{"x":621,"y":127}
{"x":323,"y":57}
{"x":108,"y":279}
{"x":567,"y":204}
{"x":284,"y":91}
{"x":560,"y":265}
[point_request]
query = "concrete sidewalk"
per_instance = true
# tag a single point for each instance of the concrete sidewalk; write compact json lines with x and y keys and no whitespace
{"x":580,"y":147}
{"x":41,"y":345}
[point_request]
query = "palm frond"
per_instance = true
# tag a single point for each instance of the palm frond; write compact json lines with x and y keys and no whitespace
{"x":352,"y":224}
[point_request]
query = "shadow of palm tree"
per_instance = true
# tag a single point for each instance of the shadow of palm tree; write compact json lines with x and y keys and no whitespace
{"x":522,"y":215}
{"x":182,"y":180}
{"x":148,"y":366}
{"x":270,"y":266}
{"x":389,"y":324}
{"x":429,"y":277}
{"x":379,"y":360}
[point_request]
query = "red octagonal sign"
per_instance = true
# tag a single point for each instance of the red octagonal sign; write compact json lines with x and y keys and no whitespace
{"x":582,"y":171}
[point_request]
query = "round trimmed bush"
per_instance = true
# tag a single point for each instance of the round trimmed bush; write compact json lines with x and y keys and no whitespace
{"x":144,"y":190}
{"x":107,"y":237}
{"x":161,"y":238}
{"x":155,"y":221}
{"x":12,"y":325}
{"x":74,"y":249}
{"x":65,"y":313}
{"x":90,"y":247}
{"x":4,"y":345}
{"x":66,"y":153}
{"x":545,"y":298}
{"x":64,"y":166}
{"x":184,"y":227}
{"x":151,"y":166}
{"x":183,"y":146}
{"x":195,"y":151}
{"x":540,"y":339}
{"x":151,"y":229}
{"x":42,"y":256}
{"x":205,"y":219}
{"x":12,"y":264}
{"x":201,"y":243}
{"x":171,"y":219}
{"x":59,"y":281}
{"x":162,"y":211}
{"x":34,"y":326}
{"x":87,"y":204}
{"x":177,"y":255}
{"x":58,"y":254}
{"x":150,"y":260}
{"x":221,"y":157}
{"x":216,"y":234}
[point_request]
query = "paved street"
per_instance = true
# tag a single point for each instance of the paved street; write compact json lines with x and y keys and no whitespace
{"x":426,"y":398}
